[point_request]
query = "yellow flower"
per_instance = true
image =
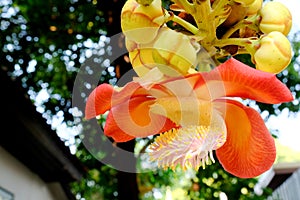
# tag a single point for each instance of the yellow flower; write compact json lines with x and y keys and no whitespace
{"x":171,"y":52}
{"x":274,"y":53}
{"x":275,"y":17}
{"x":140,"y":56}
{"x":174,"y":52}
{"x":141,"y":23}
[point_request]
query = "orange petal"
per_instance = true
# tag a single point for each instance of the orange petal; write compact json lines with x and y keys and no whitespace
{"x":104,"y":97}
{"x":240,"y":80}
{"x":99,"y":101}
{"x":249,"y":149}
{"x":133,"y":118}
{"x":111,"y":129}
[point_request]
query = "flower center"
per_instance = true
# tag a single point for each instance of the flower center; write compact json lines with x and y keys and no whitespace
{"x":190,"y":146}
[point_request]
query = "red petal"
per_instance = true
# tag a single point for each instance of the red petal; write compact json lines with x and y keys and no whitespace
{"x":249,"y":149}
{"x":240,"y":80}
{"x":134,"y":119}
{"x":99,"y":101}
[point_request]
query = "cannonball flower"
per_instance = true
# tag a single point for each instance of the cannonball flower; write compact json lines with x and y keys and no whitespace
{"x":274,"y":53}
{"x":173,"y":53}
{"x":196,"y":116}
{"x":141,"y":23}
{"x":275,"y":16}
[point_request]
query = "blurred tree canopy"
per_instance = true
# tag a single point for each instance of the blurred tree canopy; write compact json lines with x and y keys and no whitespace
{"x":44,"y":44}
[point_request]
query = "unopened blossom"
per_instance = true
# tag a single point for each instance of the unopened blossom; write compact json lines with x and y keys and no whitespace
{"x":196,"y":116}
{"x":274,"y":53}
{"x":141,"y":23}
{"x":275,"y":16}
{"x":173,"y":53}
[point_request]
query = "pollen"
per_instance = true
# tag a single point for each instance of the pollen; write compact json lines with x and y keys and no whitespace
{"x":188,"y":147}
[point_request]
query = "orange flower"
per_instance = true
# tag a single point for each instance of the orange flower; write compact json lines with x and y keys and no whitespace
{"x":197,"y":115}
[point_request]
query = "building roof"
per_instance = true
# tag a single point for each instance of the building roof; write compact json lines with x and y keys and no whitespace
{"x":281,"y":172}
{"x":277,"y":175}
{"x":26,"y":135}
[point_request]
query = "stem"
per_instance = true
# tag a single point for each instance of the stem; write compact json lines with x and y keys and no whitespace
{"x":188,"y":26}
{"x":187,"y":6}
{"x":219,"y":5}
{"x":234,"y":41}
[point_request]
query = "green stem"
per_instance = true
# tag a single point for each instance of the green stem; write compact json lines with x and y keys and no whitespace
{"x":188,"y":26}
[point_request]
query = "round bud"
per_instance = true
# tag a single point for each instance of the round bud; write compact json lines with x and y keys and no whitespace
{"x":275,"y":17}
{"x":141,"y":23}
{"x":274,"y":53}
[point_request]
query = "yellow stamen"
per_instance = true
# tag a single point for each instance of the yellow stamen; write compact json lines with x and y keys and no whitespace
{"x":190,"y":146}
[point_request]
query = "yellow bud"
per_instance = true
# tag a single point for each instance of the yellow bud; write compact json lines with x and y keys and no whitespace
{"x":171,"y":52}
{"x":140,"y":56}
{"x":274,"y":53}
{"x":275,"y":17}
{"x":254,"y":7}
{"x":141,"y":23}
{"x":245,"y":2}
{"x":174,"y":52}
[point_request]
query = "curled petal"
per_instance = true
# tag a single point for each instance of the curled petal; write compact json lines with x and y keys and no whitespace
{"x":134,"y":119}
{"x":240,"y":80}
{"x":104,"y":97}
{"x":112,"y":130}
{"x":184,"y":110}
{"x":249,"y":149}
{"x":99,"y":101}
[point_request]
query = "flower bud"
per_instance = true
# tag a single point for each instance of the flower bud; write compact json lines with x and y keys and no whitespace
{"x":275,"y":17}
{"x":274,"y":53}
{"x":141,"y":23}
{"x":174,"y":52}
{"x":254,"y":7}
{"x":244,"y":2}
{"x":171,"y":52}
{"x":140,"y":56}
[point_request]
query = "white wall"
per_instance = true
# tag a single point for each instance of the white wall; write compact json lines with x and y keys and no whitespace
{"x":19,"y":180}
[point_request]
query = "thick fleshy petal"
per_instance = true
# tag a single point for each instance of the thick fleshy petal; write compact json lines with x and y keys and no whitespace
{"x":231,"y":79}
{"x":249,"y":149}
{"x":240,"y":80}
{"x":99,"y":101}
{"x":112,"y":130}
{"x":133,"y":118}
{"x":105,"y":96}
{"x":185,"y":111}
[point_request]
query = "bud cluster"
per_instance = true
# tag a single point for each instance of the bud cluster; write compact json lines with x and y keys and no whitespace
{"x":170,"y":39}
